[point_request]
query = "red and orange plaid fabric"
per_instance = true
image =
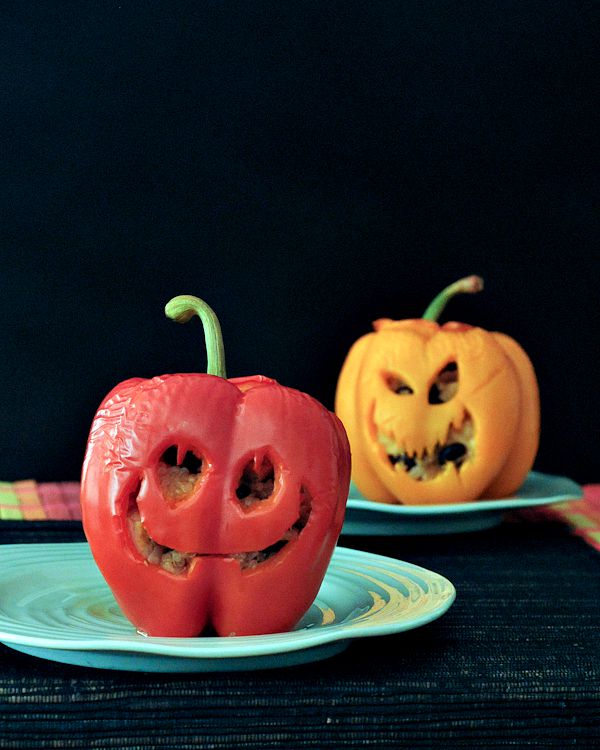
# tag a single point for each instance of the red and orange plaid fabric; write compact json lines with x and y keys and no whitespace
{"x":49,"y":501}
{"x":28,"y":500}
{"x":583,"y":516}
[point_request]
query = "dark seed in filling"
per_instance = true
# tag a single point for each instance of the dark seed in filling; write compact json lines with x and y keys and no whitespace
{"x":453,"y":452}
{"x":428,"y":464}
{"x":409,"y":462}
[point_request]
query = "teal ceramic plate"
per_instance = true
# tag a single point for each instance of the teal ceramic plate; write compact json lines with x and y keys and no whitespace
{"x":55,"y":604}
{"x":365,"y":517}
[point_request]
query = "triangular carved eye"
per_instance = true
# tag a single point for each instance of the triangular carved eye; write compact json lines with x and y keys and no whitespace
{"x":397,"y":384}
{"x":177,"y":480}
{"x":445,"y":385}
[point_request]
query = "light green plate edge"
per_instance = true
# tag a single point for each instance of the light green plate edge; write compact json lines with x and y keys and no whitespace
{"x":365,"y":517}
{"x":54,"y":604}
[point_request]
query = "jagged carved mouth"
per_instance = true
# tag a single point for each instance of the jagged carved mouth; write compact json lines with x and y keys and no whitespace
{"x":256,"y":485}
{"x":426,"y":465}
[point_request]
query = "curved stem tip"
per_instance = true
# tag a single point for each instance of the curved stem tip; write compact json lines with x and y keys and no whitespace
{"x":183,"y":308}
{"x":466,"y":285}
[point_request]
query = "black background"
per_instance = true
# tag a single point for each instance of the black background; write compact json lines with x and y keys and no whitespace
{"x":305,"y":167}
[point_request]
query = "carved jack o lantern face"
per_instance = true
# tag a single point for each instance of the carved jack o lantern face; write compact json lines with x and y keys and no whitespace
{"x":435,"y":409}
{"x":213,"y":502}
{"x":207,"y":501}
{"x":437,"y":414}
{"x":174,"y":481}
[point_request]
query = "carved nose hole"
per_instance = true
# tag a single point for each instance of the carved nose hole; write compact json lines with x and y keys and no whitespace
{"x":445,"y":385}
{"x":257,"y":481}
{"x":177,"y":480}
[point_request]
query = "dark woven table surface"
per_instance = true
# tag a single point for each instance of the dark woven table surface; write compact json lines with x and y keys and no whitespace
{"x":514,"y":663}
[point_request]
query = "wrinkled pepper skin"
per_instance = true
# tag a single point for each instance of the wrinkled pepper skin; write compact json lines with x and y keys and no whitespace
{"x":227,"y":423}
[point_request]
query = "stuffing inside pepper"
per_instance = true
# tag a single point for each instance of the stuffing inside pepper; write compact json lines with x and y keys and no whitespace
{"x":458,"y":448}
{"x":178,"y":562}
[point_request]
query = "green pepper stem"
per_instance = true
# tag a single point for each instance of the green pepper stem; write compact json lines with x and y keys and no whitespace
{"x":467,"y":285}
{"x":183,"y":308}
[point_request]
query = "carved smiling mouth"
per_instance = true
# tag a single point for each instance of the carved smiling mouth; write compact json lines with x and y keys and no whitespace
{"x":424,"y":466}
{"x":253,"y":488}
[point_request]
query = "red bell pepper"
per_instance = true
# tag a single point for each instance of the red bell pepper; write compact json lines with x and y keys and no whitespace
{"x":211,"y":503}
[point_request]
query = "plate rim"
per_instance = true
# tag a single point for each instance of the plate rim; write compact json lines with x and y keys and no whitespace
{"x":240,"y":647}
{"x":476,"y":506}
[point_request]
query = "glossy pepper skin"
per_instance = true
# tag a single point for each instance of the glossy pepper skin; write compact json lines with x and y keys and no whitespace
{"x":228,"y":425}
{"x":384,"y":398}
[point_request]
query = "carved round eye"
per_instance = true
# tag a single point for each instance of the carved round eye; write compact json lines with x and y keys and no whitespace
{"x":445,"y":385}
{"x":257,"y":481}
{"x":397,"y":384}
{"x":177,"y":480}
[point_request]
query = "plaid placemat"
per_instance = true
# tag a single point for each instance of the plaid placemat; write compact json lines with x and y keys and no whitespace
{"x":583,"y":516}
{"x":28,"y":500}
